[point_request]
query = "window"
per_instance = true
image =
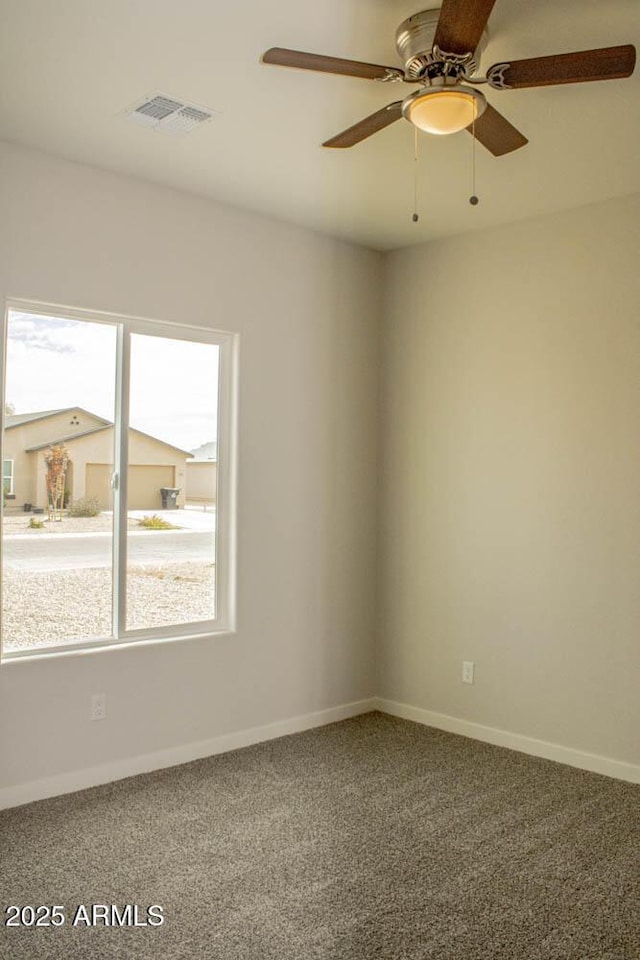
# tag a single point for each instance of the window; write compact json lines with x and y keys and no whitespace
{"x":7,"y":478}
{"x":123,"y":530}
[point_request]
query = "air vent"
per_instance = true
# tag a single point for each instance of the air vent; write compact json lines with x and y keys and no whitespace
{"x":168,"y":115}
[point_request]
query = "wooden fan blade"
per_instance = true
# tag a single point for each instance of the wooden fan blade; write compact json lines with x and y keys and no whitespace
{"x":461,"y":24}
{"x":314,"y":61}
{"x":606,"y":63}
{"x":495,"y":133}
{"x":364,"y":128}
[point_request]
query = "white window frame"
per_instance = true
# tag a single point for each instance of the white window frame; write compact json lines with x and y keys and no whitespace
{"x":225,"y":542}
{"x":9,"y":492}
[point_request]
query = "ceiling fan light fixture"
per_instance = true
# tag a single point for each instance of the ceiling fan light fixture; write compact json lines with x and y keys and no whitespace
{"x":444,"y":110}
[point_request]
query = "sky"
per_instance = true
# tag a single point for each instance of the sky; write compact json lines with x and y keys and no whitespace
{"x":52,"y":362}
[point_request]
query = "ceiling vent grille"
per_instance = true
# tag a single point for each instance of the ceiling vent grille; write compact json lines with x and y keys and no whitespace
{"x":167,"y":114}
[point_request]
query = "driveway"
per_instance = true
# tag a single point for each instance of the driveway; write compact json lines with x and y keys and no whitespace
{"x":85,"y":550}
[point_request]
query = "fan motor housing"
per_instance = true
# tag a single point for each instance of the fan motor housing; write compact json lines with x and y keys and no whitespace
{"x":414,"y":42}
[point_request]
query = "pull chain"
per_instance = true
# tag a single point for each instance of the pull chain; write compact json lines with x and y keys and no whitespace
{"x":415,"y":216}
{"x":473,"y":199}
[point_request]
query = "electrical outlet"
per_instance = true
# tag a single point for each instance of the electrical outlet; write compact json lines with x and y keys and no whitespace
{"x":467,"y":671}
{"x":99,"y":706}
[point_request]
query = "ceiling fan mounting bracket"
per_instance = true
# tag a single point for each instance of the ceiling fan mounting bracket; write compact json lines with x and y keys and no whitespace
{"x":415,"y":44}
{"x":443,"y":64}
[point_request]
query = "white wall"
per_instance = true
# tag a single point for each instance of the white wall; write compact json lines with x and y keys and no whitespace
{"x":307,"y":310}
{"x":510,"y":420}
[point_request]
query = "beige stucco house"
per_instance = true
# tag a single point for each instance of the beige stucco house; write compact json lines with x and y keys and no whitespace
{"x":202,"y":475}
{"x":89,"y":439}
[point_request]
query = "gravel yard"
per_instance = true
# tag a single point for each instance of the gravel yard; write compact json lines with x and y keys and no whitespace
{"x":70,"y":605}
{"x":19,"y":524}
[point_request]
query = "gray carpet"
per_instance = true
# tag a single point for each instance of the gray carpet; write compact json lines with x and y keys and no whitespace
{"x":373,"y":838}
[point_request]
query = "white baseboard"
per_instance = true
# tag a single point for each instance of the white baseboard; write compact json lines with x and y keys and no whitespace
{"x":55,"y":786}
{"x":514,"y":741}
{"x":19,"y":794}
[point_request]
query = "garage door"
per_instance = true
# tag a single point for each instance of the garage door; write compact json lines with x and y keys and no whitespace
{"x":145,"y":481}
{"x":144,"y":486}
{"x":98,"y":484}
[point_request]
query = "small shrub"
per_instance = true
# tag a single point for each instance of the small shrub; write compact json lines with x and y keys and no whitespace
{"x":154,"y":522}
{"x":85,"y":507}
{"x":36,"y":524}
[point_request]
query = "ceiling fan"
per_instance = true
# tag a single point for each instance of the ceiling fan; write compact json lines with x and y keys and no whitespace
{"x":441,"y":50}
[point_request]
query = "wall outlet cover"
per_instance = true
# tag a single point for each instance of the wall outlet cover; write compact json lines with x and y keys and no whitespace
{"x":99,"y":706}
{"x":467,"y":671}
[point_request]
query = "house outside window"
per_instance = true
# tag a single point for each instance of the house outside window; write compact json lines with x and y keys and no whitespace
{"x":121,"y":436}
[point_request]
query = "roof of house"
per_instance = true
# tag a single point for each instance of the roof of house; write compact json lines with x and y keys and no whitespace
{"x":69,"y":438}
{"x":18,"y":419}
{"x":206,"y":451}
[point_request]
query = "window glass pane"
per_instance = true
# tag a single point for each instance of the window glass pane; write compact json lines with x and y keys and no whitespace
{"x":57,"y":528}
{"x":171,"y":483}
{"x":7,"y":477}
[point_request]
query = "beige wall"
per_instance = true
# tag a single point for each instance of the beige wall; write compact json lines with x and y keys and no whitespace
{"x":510,"y":419}
{"x":308,"y":320}
{"x":201,"y":481}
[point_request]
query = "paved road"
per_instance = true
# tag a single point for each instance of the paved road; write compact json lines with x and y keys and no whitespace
{"x":63,"y":552}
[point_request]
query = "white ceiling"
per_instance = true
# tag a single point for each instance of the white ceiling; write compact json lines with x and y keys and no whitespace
{"x":69,"y":68}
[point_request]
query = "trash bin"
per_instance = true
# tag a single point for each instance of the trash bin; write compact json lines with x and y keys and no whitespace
{"x":170,"y":497}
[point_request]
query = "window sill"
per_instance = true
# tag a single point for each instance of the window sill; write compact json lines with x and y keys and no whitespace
{"x":82,"y":649}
